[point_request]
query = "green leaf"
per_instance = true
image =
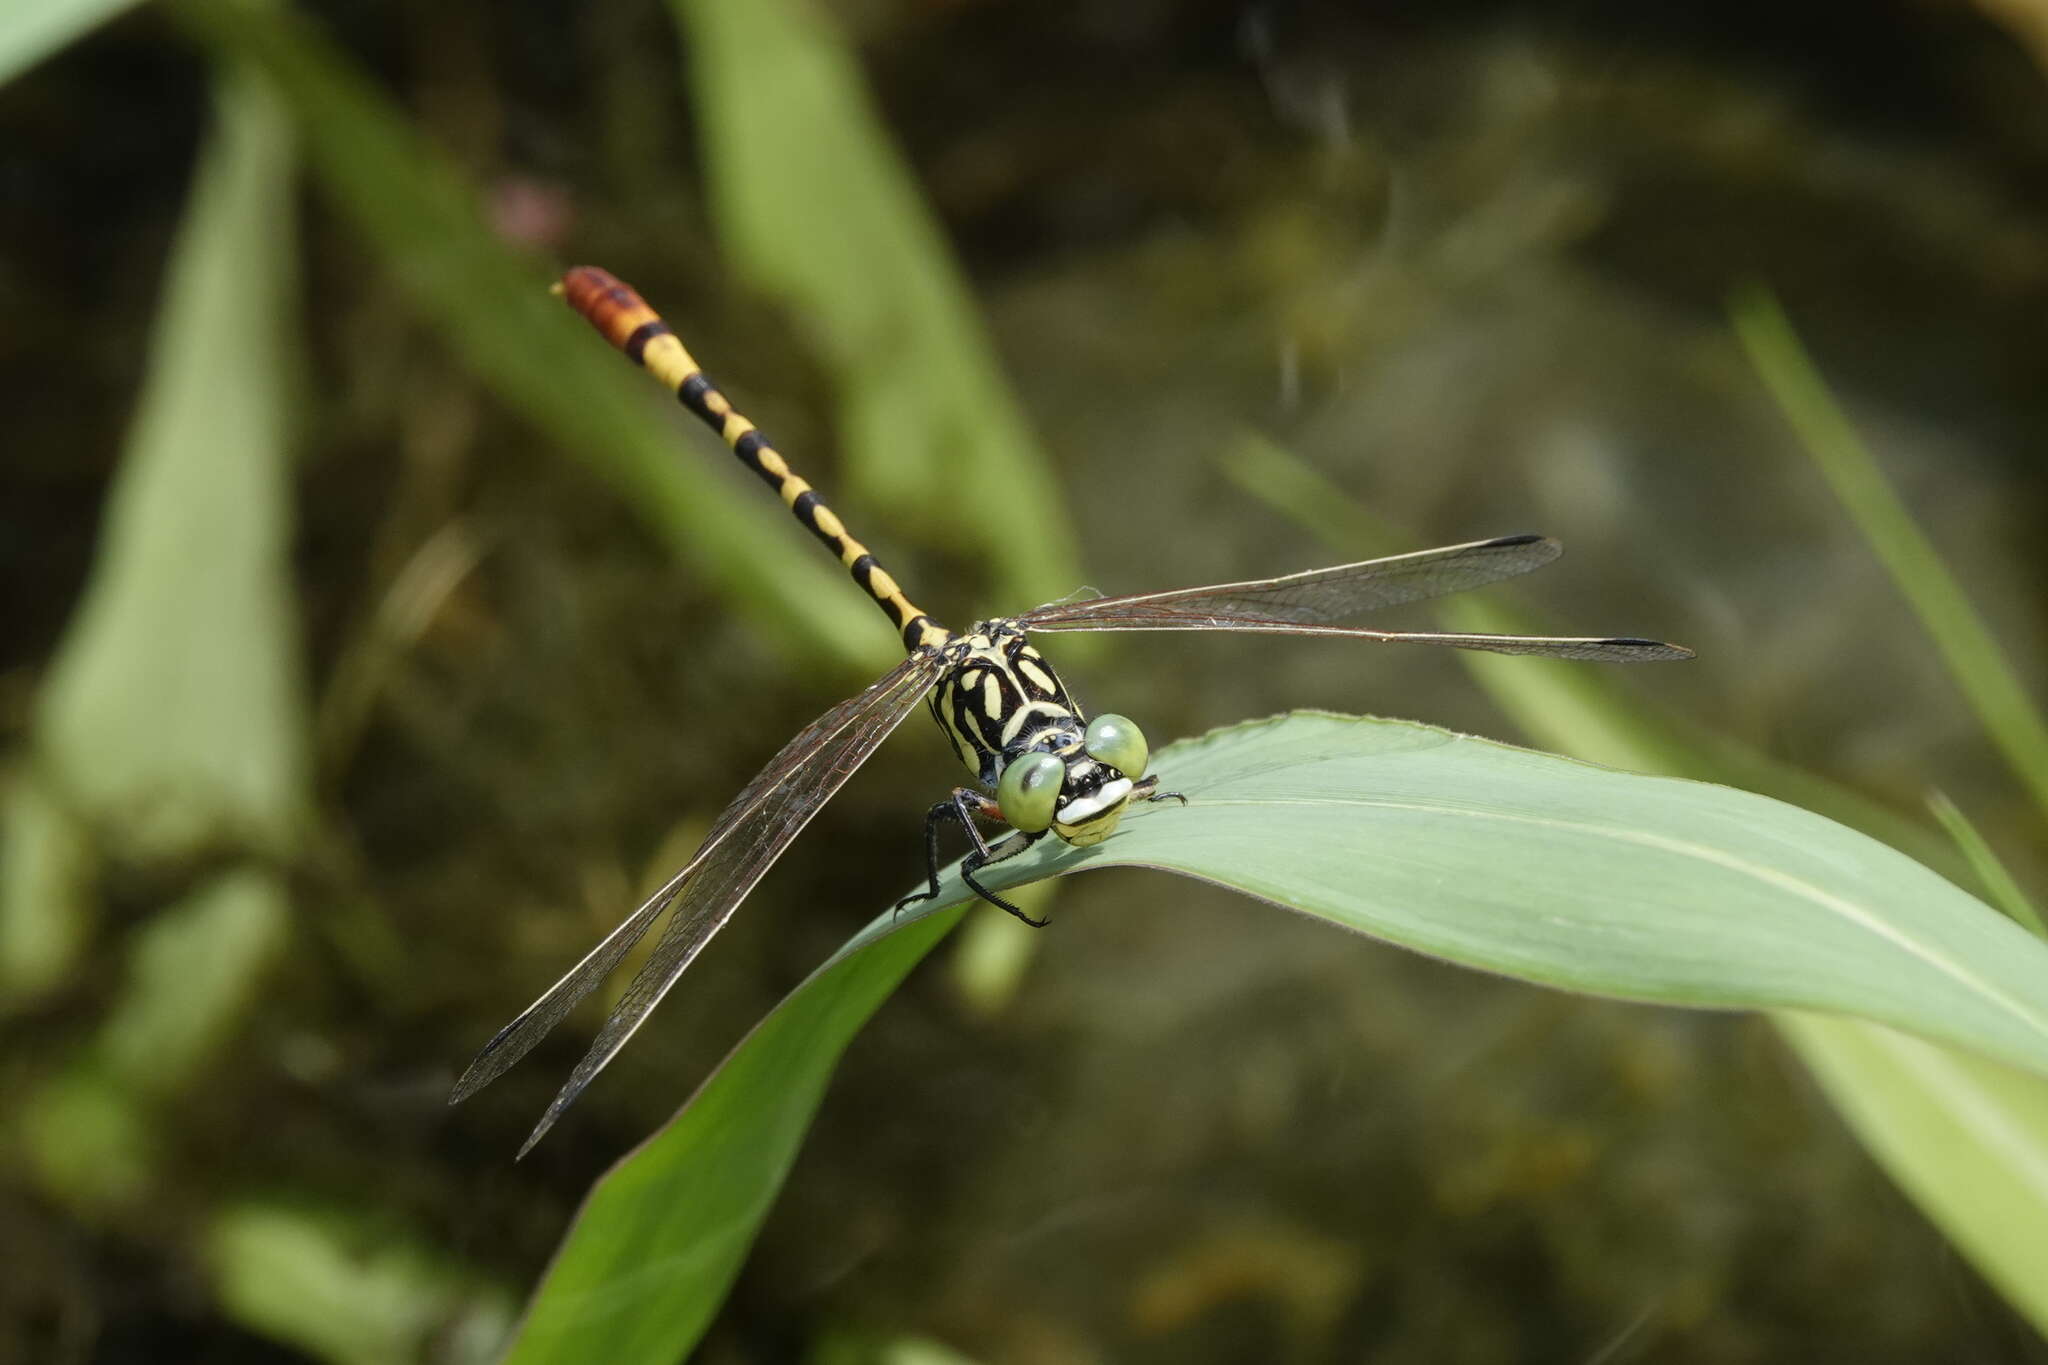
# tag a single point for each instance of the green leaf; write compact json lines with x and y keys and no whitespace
{"x":346,"y":1292}
{"x":662,"y":1235}
{"x":1517,"y":862}
{"x":533,"y":352}
{"x":31,"y":30}
{"x":1964,"y":642}
{"x":1966,"y":1137}
{"x":816,"y":208}
{"x":174,"y":715}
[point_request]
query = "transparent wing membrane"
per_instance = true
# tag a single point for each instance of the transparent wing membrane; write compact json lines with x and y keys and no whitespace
{"x":1321,"y":596}
{"x":1310,"y":603}
{"x":744,"y":842}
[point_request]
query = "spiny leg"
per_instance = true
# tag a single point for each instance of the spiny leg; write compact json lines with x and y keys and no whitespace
{"x":963,"y":805}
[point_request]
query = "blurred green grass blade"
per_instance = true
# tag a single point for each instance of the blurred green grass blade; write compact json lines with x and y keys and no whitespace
{"x":1966,"y":644}
{"x":1512,"y":861}
{"x":662,"y":1235}
{"x":45,"y":892}
{"x":347,"y":1293}
{"x":1302,"y":493}
{"x":2003,"y":888}
{"x":173,"y":717}
{"x":1966,"y":1138}
{"x":816,"y":208}
{"x":31,"y":30}
{"x":535,"y":355}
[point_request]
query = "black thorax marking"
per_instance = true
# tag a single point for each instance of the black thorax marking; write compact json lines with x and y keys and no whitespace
{"x":1000,"y":698}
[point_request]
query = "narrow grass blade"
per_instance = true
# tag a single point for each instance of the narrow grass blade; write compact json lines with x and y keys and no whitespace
{"x":1999,"y":883}
{"x":1967,"y":646}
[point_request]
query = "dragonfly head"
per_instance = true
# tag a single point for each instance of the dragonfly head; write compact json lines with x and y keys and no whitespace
{"x":1079,"y":790}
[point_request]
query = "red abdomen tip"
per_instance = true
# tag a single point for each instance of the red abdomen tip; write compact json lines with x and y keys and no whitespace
{"x":610,"y":305}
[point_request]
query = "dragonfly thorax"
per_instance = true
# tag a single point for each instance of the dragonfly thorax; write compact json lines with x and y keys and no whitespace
{"x":999,"y":698}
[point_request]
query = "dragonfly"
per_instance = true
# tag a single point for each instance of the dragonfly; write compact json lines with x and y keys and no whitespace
{"x":1040,"y":767}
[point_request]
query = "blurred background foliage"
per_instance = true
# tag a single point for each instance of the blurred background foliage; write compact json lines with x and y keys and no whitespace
{"x":342,"y":713}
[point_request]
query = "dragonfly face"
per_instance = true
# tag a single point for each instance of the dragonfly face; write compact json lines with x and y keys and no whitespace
{"x":1011,"y":722}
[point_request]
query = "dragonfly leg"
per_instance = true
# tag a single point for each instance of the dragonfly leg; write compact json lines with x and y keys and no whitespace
{"x":982,"y":856}
{"x":963,"y":805}
{"x":1148,"y":791}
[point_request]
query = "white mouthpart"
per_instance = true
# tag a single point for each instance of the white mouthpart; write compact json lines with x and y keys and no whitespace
{"x":1107,"y":795}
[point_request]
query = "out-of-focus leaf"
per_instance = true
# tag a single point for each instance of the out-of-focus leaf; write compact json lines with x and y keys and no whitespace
{"x":662,"y":1235}
{"x":817,"y":209}
{"x":850,"y":1347}
{"x":31,"y":30}
{"x":173,"y":717}
{"x":1965,"y":643}
{"x":537,"y":356}
{"x":992,"y":953}
{"x":348,"y":1294}
{"x":1538,"y":867}
{"x":1966,"y":1137}
{"x":45,"y":898}
{"x":1999,"y":883}
{"x":89,"y":1140}
{"x":191,"y":972}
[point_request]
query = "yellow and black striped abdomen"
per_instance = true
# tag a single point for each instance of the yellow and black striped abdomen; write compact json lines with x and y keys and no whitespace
{"x":623,"y":318}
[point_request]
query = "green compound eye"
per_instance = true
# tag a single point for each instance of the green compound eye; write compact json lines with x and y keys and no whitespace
{"x":1030,"y":791}
{"x":1116,"y":740}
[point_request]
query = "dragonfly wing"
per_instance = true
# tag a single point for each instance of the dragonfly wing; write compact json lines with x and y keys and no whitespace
{"x":741,"y":846}
{"x":1320,"y":596}
{"x":1144,"y":616}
